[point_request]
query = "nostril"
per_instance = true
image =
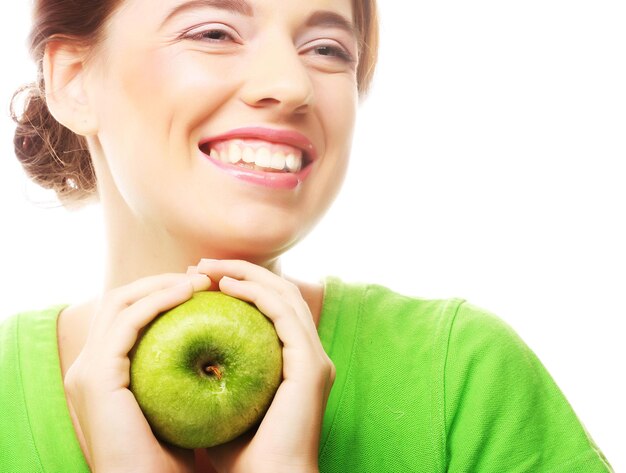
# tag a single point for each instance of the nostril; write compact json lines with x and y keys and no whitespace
{"x":268,"y":101}
{"x":284,"y":96}
{"x":302,"y":109}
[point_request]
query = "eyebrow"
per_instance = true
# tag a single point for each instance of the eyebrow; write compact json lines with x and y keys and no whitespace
{"x":237,"y":6}
{"x":322,"y":18}
{"x":332,"y":20}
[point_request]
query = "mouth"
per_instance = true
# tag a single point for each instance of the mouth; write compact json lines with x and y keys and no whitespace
{"x":278,"y":159}
{"x":258,"y":155}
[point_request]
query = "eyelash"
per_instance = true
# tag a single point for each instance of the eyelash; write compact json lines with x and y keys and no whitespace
{"x":201,"y":35}
{"x":335,"y":51}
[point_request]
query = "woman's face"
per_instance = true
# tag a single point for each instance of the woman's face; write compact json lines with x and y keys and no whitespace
{"x":225,"y":123}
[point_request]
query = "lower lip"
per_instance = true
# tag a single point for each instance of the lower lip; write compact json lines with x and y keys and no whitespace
{"x":273,"y":180}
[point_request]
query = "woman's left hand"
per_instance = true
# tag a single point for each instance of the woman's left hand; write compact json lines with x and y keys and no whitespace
{"x":288,"y":437}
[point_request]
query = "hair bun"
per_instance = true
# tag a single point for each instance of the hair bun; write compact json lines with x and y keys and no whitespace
{"x":51,"y":154}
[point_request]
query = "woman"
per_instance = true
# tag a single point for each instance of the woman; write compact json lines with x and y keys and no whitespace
{"x":215,"y":134}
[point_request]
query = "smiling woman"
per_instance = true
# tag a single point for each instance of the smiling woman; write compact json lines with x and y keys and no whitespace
{"x":40,"y":139}
{"x":214,"y":135}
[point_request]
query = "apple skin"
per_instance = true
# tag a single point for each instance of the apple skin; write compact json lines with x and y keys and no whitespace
{"x":206,"y":371}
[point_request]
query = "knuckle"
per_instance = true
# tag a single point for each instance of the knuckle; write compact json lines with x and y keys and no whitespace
{"x":75,"y":378}
{"x":332,"y":371}
{"x":325,"y":374}
{"x":292,"y":288}
{"x":113,"y":299}
{"x":70,"y":381}
{"x":114,"y":294}
{"x":329,"y":370}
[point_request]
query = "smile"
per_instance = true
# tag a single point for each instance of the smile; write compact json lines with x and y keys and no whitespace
{"x":259,"y":155}
{"x":262,"y":156}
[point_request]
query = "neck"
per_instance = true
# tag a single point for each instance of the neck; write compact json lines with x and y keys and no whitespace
{"x":136,"y":249}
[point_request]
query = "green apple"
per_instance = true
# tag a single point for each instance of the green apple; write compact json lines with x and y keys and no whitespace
{"x":206,"y":371}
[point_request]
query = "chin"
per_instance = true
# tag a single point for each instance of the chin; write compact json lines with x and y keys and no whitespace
{"x":265,"y":232}
{"x":256,"y":245}
{"x":251,"y":231}
{"x":259,"y":251}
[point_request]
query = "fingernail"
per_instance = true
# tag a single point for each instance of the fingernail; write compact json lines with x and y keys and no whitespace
{"x":199,"y":280}
{"x":207,"y":260}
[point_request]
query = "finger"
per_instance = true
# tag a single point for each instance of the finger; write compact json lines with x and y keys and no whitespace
{"x":304,"y":358}
{"x":246,"y":271}
{"x":117,"y":300}
{"x":130,"y":293}
{"x":289,"y":326}
{"x":214,"y":286}
{"x":134,"y":318}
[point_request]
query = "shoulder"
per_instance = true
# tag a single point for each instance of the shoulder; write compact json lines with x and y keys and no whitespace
{"x":458,"y":341}
{"x":379,"y":305}
{"x":502,"y":408}
{"x":477,"y":335}
{"x":453,"y":323}
{"x":26,"y":326}
{"x":30,"y":317}
{"x":32,"y":397}
{"x":21,"y":337}
{"x":8,"y":343}
{"x":446,"y":324}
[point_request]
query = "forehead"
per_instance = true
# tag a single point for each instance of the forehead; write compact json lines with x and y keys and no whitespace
{"x":148,"y":11}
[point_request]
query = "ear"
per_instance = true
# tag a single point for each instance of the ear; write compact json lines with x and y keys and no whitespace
{"x":65,"y":74}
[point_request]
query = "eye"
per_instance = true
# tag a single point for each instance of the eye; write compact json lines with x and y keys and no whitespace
{"x":212,"y":34}
{"x":331,"y":51}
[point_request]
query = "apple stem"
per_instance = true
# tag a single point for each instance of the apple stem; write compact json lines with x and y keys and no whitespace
{"x":210,"y":369}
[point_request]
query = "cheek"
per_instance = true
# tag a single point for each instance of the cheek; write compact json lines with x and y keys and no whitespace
{"x":336,"y":104}
{"x":167,"y":85}
{"x":150,"y":107}
{"x":337,"y":100}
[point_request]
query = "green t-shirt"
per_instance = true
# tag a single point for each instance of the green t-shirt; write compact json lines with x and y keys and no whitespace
{"x":422,"y":386}
{"x":440,"y":386}
{"x":36,"y":431}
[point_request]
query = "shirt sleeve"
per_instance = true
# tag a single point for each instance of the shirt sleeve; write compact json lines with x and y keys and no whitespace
{"x":503,"y":411}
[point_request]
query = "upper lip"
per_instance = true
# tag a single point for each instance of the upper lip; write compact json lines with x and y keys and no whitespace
{"x":273,"y":135}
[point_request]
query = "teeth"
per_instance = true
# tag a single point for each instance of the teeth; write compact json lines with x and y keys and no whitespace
{"x":263,"y":158}
{"x":268,"y":157}
{"x":293,"y":163}
{"x":224,"y":156}
{"x":278,"y":161}
{"x":248,"y":155}
{"x":235,"y":153}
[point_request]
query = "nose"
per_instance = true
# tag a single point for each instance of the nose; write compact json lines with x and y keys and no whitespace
{"x":277,"y":79}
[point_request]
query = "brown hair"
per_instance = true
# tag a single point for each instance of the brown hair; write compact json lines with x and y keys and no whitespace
{"x":56,"y":158}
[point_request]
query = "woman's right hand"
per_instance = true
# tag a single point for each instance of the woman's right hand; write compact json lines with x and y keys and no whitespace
{"x":288,"y":437}
{"x":113,"y":431}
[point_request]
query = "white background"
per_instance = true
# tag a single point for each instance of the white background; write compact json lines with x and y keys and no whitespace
{"x":488,"y":164}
